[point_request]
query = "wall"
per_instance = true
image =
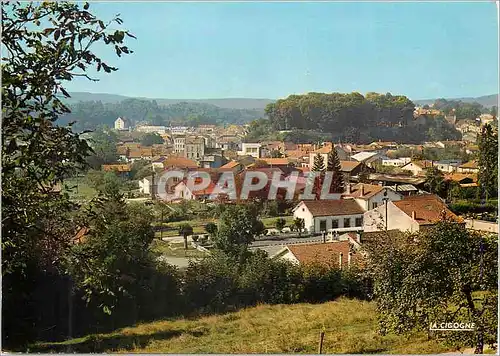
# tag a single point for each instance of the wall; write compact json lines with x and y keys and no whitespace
{"x":303,"y":213}
{"x":481,"y":225}
{"x":375,"y":220}
{"x":340,"y":219}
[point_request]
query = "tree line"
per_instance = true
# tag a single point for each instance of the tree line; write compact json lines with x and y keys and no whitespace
{"x":356,"y":118}
{"x":87,"y":115}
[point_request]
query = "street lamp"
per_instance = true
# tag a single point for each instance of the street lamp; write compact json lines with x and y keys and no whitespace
{"x":385,"y":200}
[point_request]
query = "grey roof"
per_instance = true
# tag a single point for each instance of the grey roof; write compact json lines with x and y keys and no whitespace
{"x":403,"y":188}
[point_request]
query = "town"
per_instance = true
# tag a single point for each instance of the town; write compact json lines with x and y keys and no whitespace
{"x":328,"y":218}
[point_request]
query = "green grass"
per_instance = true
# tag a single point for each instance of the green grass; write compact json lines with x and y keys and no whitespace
{"x":81,"y":189}
{"x":199,"y":225}
{"x":271,"y":222}
{"x":175,"y":249}
{"x":350,"y":327}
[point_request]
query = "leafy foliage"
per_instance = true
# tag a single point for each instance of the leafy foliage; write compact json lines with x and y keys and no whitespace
{"x":488,"y":161}
{"x":43,"y":45}
{"x":238,"y":226}
{"x":333,"y":165}
{"x":434,"y":181}
{"x":150,"y":139}
{"x":442,"y":274}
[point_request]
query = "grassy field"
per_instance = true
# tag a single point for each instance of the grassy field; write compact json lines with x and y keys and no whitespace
{"x":350,"y":327}
{"x":199,"y":225}
{"x":175,"y":249}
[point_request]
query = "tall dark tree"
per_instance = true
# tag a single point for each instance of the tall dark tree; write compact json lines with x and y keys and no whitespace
{"x":333,"y":165}
{"x":44,"y":45}
{"x":435,"y":181}
{"x":318,"y":163}
{"x":488,"y":161}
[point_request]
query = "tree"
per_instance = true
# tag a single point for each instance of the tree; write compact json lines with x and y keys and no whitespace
{"x":318,"y":163}
{"x":276,"y":154}
{"x":333,"y":165}
{"x":434,"y":181}
{"x":238,"y":226}
{"x":280,"y":223}
{"x":117,"y":240}
{"x":103,"y":143}
{"x":150,"y":139}
{"x":211,"y":228}
{"x":494,"y":111}
{"x":185,"y":230}
{"x":299,"y":225}
{"x":442,"y":274}
{"x":45,"y":44}
{"x":488,"y":161}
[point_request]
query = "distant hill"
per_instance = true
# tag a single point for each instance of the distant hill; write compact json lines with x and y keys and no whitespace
{"x":225,"y":103}
{"x":486,"y":100}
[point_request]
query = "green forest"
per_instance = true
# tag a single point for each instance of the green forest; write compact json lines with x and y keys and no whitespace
{"x":87,"y":115}
{"x":356,"y":118}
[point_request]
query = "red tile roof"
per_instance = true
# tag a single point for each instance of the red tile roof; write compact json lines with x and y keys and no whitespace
{"x":179,"y":162}
{"x":333,"y":207}
{"x":428,"y":208}
{"x":276,"y":161}
{"x":369,"y":190}
{"x":470,"y":164}
{"x":326,"y":254}
{"x":230,"y":164}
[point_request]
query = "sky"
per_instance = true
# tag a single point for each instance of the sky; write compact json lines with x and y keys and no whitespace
{"x":274,"y":49}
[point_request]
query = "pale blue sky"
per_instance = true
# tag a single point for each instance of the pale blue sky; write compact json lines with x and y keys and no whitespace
{"x":272,"y":50}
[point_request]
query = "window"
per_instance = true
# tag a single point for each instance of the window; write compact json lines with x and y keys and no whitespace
{"x":335,"y":224}
{"x":322,"y":225}
{"x":176,"y":179}
{"x":374,"y":205}
{"x":359,"y":221}
{"x":303,"y":209}
{"x":347,"y":222}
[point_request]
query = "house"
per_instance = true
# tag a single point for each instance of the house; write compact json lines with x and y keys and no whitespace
{"x":352,"y":169}
{"x":447,"y":166}
{"x":179,"y":163}
{"x":468,"y":167}
{"x":120,"y":169}
{"x":151,"y":129}
{"x":411,"y":214}
{"x":250,"y":149}
{"x":212,"y":161}
{"x":369,"y":158}
{"x":369,"y":196}
{"x":276,"y":162}
{"x":336,"y":254}
{"x":179,"y":142}
{"x":157,"y":163}
{"x":330,"y":215}
{"x":464,"y":179}
{"x":178,"y":130}
{"x":235,"y":166}
{"x":396,"y":162}
{"x":417,"y":167}
{"x":122,"y":123}
{"x":194,"y":147}
{"x":182,"y":191}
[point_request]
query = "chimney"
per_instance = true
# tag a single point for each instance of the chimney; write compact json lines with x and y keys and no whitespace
{"x":348,"y":187}
{"x":362,"y":189}
{"x":414,"y":215}
{"x":340,"y":260}
{"x":323,"y":237}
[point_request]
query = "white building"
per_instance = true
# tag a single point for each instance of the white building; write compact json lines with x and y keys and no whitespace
{"x":179,"y":130}
{"x":194,"y":147}
{"x":396,"y":162}
{"x":370,"y":196}
{"x":368,"y":158}
{"x":151,"y":129}
{"x":179,"y":144}
{"x":409,"y":214}
{"x":122,"y":124}
{"x":250,"y":149}
{"x":340,"y":215}
{"x":417,"y":167}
